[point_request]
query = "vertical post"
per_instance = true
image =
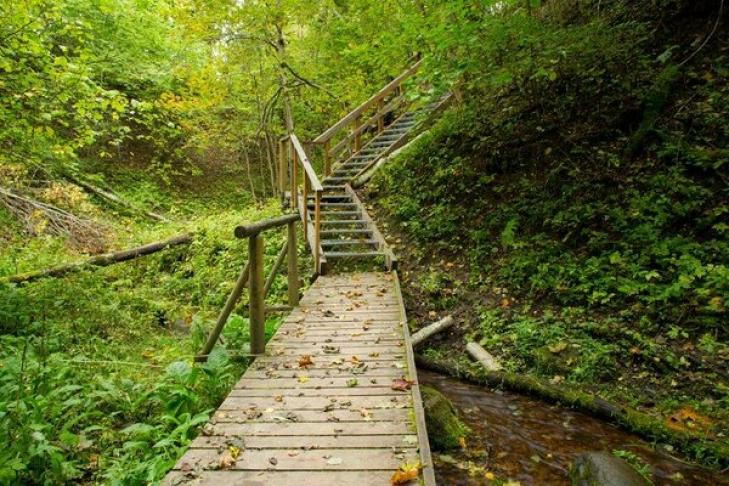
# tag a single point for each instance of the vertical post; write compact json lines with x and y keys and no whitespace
{"x":257,"y":317}
{"x":381,"y":116}
{"x":327,"y":159}
{"x":317,"y":228}
{"x":293,"y":271}
{"x":306,"y":207}
{"x":358,"y":137}
{"x":294,"y":178}
{"x":282,"y":167}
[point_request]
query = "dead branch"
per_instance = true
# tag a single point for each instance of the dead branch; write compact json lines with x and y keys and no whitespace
{"x":41,"y":218}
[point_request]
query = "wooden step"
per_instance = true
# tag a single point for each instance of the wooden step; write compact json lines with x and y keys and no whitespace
{"x":330,"y":222}
{"x":347,"y":254}
{"x":341,"y":213}
{"x":347,"y":242}
{"x":335,"y":205}
{"x":345,"y":231}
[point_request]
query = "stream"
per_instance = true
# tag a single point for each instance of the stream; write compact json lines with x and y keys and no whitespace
{"x":533,"y":442}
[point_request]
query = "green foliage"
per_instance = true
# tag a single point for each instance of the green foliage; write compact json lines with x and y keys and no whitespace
{"x":96,"y":381}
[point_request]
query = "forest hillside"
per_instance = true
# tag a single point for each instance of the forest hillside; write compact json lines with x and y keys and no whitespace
{"x":569,"y":207}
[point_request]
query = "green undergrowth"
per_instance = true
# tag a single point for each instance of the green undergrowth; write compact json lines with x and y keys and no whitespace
{"x":97,"y":383}
{"x":572,"y":210}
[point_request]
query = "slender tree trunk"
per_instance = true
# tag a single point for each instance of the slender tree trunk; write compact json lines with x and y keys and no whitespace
{"x":250,"y":177}
{"x":283,"y":80}
{"x":271,"y":158}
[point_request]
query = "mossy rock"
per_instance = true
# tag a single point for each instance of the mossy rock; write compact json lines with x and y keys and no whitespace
{"x":603,"y":469}
{"x":445,"y":429}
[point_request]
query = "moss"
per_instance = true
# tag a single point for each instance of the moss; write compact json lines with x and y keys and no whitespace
{"x":445,"y":429}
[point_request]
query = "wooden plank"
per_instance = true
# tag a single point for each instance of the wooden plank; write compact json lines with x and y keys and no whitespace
{"x":268,"y":478}
{"x":297,"y":441}
{"x":303,"y":460}
{"x":364,"y":415}
{"x":428,"y":473}
{"x":317,"y":403}
{"x":313,"y":429}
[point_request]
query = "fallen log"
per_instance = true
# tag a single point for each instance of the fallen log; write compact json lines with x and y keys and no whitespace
{"x":698,"y":444}
{"x":102,"y":260}
{"x":434,"y":328}
{"x":482,"y":356}
{"x":114,"y":199}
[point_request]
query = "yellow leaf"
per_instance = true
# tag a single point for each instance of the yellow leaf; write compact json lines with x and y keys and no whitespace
{"x":303,"y":379}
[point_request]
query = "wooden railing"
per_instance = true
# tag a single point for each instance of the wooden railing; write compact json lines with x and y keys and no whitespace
{"x":388,"y":99}
{"x":252,"y":277}
{"x":300,"y":179}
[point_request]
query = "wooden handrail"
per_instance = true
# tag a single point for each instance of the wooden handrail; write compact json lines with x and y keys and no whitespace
{"x":329,"y":133}
{"x":363,"y":127}
{"x":244,"y":231}
{"x":306,"y":164}
{"x":251,"y":276}
{"x":292,"y":158}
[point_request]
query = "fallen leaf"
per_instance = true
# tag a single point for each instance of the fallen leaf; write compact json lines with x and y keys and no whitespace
{"x":226,"y":460}
{"x":401,"y":384}
{"x":687,"y":419}
{"x":305,"y":361}
{"x":405,"y":474}
{"x":303,"y":379}
{"x":352,"y":382}
{"x":273,"y":461}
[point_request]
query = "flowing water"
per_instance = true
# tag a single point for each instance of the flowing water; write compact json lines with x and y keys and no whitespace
{"x":533,"y":442}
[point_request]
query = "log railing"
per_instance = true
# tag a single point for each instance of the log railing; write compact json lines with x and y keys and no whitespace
{"x":251,"y":276}
{"x":357,"y":122}
{"x":299,"y":178}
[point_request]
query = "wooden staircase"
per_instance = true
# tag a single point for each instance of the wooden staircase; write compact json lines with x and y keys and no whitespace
{"x":338,"y":227}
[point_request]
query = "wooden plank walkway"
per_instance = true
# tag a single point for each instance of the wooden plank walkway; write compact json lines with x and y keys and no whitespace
{"x":327,"y":405}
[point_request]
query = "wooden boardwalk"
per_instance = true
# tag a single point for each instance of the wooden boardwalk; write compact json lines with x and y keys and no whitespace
{"x":334,"y":401}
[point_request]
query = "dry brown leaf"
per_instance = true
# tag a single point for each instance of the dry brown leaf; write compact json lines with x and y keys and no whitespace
{"x":405,"y":474}
{"x":401,"y":384}
{"x":305,"y":361}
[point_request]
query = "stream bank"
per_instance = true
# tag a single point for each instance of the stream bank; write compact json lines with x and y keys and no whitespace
{"x":522,"y":439}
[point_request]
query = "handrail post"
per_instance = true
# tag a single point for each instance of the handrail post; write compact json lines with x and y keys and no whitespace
{"x":293,"y":270}
{"x":358,"y":136}
{"x":294,"y":180}
{"x":317,"y":229}
{"x":327,"y":159}
{"x":282,"y":169}
{"x":257,"y":316}
{"x":381,"y":118}
{"x":306,"y":207}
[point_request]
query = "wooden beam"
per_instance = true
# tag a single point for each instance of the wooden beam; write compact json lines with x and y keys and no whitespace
{"x":434,"y":328}
{"x":274,"y":270}
{"x":233,"y":298}
{"x":483,"y":357}
{"x":245,"y":231}
{"x":293,"y":269}
{"x":256,"y":306}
